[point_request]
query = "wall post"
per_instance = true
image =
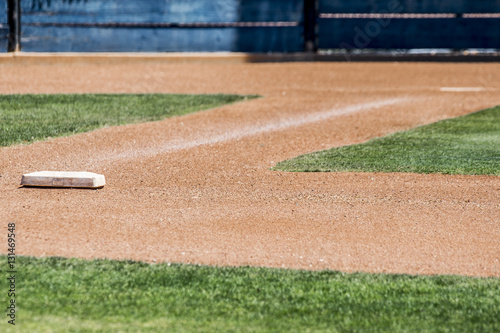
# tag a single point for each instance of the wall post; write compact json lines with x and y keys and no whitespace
{"x":14,"y":22}
{"x":310,"y":25}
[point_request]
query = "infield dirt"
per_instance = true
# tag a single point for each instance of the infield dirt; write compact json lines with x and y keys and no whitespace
{"x":198,"y":189}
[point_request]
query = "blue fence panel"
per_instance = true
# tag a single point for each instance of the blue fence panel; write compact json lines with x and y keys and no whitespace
{"x":4,"y":28}
{"x":158,"y":11}
{"x":409,"y":6}
{"x":78,"y":39}
{"x":162,"y":26}
{"x":409,"y":34}
{"x":407,"y":24}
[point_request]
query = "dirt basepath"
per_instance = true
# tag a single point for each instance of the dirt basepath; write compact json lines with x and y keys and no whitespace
{"x":198,"y":188}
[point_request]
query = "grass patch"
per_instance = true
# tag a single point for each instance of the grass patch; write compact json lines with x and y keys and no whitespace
{"x":70,"y":295}
{"x":465,"y":145}
{"x":27,"y":118}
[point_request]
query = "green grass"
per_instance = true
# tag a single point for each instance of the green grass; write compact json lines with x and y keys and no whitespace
{"x":465,"y":145}
{"x":27,"y":118}
{"x":70,"y":295}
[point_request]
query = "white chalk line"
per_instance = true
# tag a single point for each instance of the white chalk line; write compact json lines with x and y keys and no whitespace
{"x":463,"y":89}
{"x":238,"y":133}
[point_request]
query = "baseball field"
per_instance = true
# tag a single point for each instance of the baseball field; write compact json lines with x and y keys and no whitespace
{"x":211,"y":228}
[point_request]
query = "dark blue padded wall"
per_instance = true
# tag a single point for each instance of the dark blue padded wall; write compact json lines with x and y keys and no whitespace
{"x":409,"y":6}
{"x":393,"y":24}
{"x":162,"y":26}
{"x":4,"y":28}
{"x":252,"y":25}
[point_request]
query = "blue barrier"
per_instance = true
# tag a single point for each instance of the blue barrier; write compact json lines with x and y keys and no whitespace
{"x":4,"y":28}
{"x":409,"y":6}
{"x":162,"y":26}
{"x":409,"y":24}
{"x":250,"y":25}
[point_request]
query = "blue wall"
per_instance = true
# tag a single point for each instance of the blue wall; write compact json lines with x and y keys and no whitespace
{"x":409,"y":6}
{"x":157,"y":26}
{"x":4,"y":30}
{"x":407,"y":33}
{"x":247,"y":25}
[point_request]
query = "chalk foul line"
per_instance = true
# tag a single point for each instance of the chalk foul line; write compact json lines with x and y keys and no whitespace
{"x":240,"y":132}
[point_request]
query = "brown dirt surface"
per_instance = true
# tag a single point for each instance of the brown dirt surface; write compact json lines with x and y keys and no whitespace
{"x":198,"y":189}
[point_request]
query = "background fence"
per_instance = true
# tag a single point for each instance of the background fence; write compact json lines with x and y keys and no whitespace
{"x":409,"y":24}
{"x":249,"y":25}
{"x":4,"y":27}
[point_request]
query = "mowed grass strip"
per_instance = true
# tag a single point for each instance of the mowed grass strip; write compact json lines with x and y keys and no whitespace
{"x":467,"y":145}
{"x":27,"y":118}
{"x":62,"y":295}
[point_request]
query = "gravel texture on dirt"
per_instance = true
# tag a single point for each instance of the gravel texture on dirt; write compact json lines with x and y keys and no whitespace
{"x":198,"y":189}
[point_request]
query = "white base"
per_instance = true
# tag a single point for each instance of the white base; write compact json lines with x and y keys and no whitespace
{"x":63,"y":179}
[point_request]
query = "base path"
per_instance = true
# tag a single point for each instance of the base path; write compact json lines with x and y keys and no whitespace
{"x":198,"y":189}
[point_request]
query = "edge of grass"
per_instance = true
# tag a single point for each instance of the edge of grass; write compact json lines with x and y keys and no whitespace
{"x":109,"y":295}
{"x":26,"y":118}
{"x":468,"y":145}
